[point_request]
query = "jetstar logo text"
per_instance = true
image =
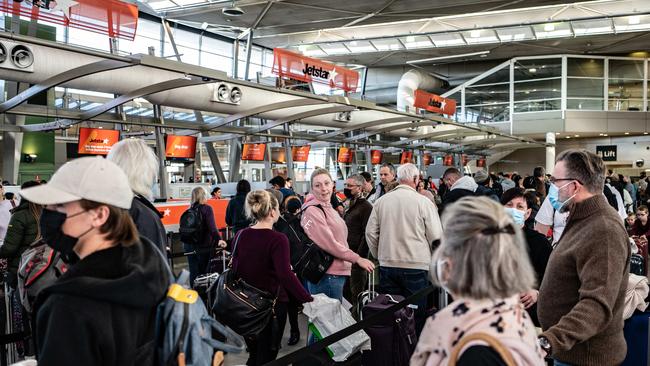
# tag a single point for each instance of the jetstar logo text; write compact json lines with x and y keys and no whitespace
{"x":316,"y":72}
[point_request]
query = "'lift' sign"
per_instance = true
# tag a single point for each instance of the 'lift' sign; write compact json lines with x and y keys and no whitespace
{"x":434,"y":103}
{"x":607,"y":152}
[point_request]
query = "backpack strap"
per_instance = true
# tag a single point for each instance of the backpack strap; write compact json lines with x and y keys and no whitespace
{"x":319,"y":206}
{"x":492,"y":342}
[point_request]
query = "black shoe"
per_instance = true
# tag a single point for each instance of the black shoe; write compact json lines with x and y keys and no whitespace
{"x":294,"y":339}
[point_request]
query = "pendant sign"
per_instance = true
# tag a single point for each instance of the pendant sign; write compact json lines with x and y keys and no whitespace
{"x":434,"y":103}
{"x":307,"y":69}
{"x":607,"y":152}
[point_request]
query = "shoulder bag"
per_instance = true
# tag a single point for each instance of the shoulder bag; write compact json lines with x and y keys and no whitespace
{"x":241,"y":306}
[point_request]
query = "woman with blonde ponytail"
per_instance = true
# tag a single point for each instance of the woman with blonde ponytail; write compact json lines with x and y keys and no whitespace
{"x":261,"y":258}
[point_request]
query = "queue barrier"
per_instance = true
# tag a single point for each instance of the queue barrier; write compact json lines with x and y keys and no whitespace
{"x":312,"y":350}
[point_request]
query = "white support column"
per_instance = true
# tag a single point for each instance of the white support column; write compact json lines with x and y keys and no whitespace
{"x":563,"y":84}
{"x":606,"y":85}
{"x":645,"y":85}
{"x":550,"y":152}
{"x":512,"y":94}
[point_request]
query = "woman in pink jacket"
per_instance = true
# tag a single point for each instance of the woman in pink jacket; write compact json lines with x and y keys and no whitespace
{"x":326,"y":228}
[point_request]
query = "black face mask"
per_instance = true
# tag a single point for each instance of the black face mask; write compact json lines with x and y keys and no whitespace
{"x":348,"y":193}
{"x":50,"y":225}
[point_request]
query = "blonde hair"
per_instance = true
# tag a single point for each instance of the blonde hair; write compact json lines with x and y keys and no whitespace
{"x":139,"y":162}
{"x":199,"y":195}
{"x":259,"y":204}
{"x":487,"y":251}
{"x":317,"y":172}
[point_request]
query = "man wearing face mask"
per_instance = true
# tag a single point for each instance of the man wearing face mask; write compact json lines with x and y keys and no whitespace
{"x":582,"y":295}
{"x":539,"y":249}
{"x":356,"y":219}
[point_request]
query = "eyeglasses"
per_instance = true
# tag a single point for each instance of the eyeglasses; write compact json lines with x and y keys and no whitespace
{"x":554,"y":180}
{"x":351,"y":185}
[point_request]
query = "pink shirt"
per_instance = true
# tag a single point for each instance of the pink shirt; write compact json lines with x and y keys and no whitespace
{"x":329,"y":232}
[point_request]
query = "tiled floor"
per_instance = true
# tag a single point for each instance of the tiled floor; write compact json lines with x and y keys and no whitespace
{"x":240,"y":359}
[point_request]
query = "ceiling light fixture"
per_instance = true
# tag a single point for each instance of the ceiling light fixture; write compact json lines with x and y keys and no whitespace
{"x":475,"y":33}
{"x":447,"y":57}
{"x":532,"y":70}
{"x":549,"y":27}
{"x":634,"y":19}
{"x":232,"y":10}
{"x":410,"y":39}
{"x":627,"y":133}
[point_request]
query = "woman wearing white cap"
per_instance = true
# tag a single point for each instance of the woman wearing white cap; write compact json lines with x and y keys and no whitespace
{"x":102,"y":310}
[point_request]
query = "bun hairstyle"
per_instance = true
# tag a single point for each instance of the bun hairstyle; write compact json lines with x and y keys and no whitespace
{"x":259,"y":204}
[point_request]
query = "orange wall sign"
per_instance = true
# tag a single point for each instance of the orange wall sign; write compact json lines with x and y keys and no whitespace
{"x":180,"y":147}
{"x":376,"y":156}
{"x":300,"y":154}
{"x":406,"y":157}
{"x":296,"y":66}
{"x":434,"y":103}
{"x":480,"y":163}
{"x":426,"y":159}
{"x":279,"y":155}
{"x":345,"y":155}
{"x":172,"y":211}
{"x":254,"y":152}
{"x":96,"y":140}
{"x":448,"y":160}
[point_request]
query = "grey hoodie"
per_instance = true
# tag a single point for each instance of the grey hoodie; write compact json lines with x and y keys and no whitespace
{"x":465,"y":182}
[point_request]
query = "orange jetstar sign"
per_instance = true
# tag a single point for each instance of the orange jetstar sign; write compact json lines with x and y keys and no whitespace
{"x":296,"y":66}
{"x":253,"y":152}
{"x":180,"y":147}
{"x":96,"y":141}
{"x":376,"y":156}
{"x":299,"y":154}
{"x":434,"y":103}
{"x":426,"y":159}
{"x":345,"y":155}
{"x":406,"y":157}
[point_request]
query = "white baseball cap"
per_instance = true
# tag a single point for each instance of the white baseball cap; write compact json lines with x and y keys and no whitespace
{"x":91,"y":178}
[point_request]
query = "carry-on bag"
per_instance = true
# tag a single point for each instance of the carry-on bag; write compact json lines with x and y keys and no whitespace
{"x":392,"y":340}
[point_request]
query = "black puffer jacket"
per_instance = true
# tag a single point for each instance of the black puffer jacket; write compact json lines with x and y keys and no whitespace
{"x":21,"y":232}
{"x":102,"y":311}
{"x":147,"y":219}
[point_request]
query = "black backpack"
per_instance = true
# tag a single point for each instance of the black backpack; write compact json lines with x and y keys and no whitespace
{"x":191,"y":226}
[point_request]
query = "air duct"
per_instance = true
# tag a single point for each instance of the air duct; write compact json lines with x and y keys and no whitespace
{"x":410,"y":82}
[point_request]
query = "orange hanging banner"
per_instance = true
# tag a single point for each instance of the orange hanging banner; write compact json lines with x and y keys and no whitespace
{"x":376,"y":156}
{"x":180,"y":147}
{"x":114,"y":18}
{"x":296,"y":66}
{"x":253,"y":152}
{"x":448,"y":160}
{"x":278,"y":155}
{"x":426,"y":159}
{"x":300,"y":154}
{"x":345,"y":155}
{"x":96,"y":141}
{"x":406,"y":157}
{"x":434,"y":103}
{"x":480,"y":163}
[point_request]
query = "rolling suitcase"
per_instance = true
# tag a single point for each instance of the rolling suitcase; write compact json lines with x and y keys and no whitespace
{"x":392,"y":340}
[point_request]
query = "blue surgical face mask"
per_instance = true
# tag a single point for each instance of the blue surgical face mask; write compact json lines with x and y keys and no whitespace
{"x":554,"y":197}
{"x":519,"y":217}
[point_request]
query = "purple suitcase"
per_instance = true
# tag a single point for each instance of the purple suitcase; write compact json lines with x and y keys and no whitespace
{"x":393,"y":340}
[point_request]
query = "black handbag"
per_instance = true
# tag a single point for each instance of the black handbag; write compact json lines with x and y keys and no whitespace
{"x":314,"y":261}
{"x":244,"y":308}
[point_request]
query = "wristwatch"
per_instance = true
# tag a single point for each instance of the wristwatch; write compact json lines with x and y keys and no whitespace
{"x":544,"y":344}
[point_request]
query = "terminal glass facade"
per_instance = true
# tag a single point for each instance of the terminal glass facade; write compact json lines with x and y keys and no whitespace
{"x":553,"y":83}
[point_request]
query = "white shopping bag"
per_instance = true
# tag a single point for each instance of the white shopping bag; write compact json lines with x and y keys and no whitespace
{"x":328,"y":316}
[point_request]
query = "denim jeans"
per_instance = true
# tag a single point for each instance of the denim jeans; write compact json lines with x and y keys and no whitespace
{"x":331,"y":286}
{"x":405,"y":282}
{"x":558,"y":363}
{"x":196,"y":263}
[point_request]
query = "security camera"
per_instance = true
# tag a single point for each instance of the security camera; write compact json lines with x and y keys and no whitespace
{"x":639,"y":163}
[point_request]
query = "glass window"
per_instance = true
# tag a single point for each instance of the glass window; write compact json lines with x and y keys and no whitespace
{"x":538,"y":105}
{"x":446,"y":40}
{"x":585,"y":88}
{"x":538,"y":69}
{"x":217,"y":62}
{"x":416,"y":42}
{"x":88,"y":39}
{"x":626,"y":69}
{"x":487,"y":113}
{"x":585,"y":104}
{"x":538,"y":90}
{"x":477,"y":36}
{"x":585,"y":67}
{"x":475,"y":95}
{"x":390,"y":44}
{"x":591,"y":26}
{"x":625,"y":104}
{"x":500,"y":76}
{"x":515,"y":34}
{"x":216,"y":46}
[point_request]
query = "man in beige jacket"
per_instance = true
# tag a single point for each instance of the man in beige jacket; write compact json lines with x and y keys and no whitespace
{"x":400,"y":233}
